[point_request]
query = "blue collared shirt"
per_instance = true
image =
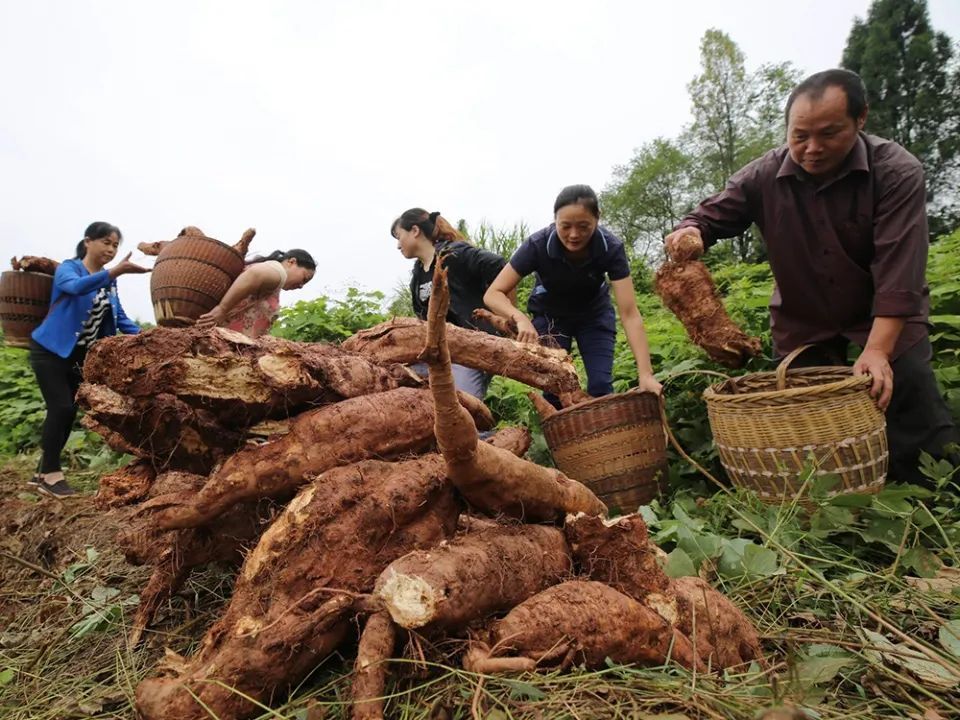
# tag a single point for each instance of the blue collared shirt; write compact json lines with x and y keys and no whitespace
{"x":563,"y":287}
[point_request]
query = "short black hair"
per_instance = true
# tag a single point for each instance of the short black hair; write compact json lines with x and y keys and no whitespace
{"x":578,"y":195}
{"x":847,"y":80}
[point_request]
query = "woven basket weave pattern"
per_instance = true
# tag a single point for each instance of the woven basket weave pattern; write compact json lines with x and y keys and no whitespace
{"x":824,"y":417}
{"x":190,"y":277}
{"x":24,"y":301}
{"x":614,"y":445}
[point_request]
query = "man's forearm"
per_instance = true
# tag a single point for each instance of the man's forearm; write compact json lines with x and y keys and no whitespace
{"x":884,"y":334}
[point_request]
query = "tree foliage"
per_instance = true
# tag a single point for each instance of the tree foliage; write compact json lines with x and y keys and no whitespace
{"x":737,"y":116}
{"x":913,"y":87}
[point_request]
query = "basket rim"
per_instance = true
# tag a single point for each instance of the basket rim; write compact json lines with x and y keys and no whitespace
{"x":28,"y":272}
{"x":850,"y":382}
{"x":595,"y":402}
{"x":198,"y":237}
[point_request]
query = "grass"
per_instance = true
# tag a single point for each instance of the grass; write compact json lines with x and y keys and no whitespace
{"x":851,"y":632}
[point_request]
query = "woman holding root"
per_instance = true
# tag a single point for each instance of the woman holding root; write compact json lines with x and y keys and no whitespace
{"x":83,"y":308}
{"x":251,"y":304}
{"x":423,"y":236}
{"x":573,"y":258}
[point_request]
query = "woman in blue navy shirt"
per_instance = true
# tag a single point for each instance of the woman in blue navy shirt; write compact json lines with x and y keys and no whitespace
{"x":574,"y":258}
{"x":83,"y":307}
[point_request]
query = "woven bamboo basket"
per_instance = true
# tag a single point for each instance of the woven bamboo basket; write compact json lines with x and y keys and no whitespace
{"x":769,"y":427}
{"x":191,"y":275}
{"x":24,"y":302}
{"x":615,"y":445}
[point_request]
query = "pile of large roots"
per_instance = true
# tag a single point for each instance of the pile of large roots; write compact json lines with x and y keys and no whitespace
{"x":353,"y":497}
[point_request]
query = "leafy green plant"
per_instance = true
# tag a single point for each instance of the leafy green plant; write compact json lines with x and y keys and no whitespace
{"x":21,"y":405}
{"x":327,"y":320}
{"x":103,"y":610}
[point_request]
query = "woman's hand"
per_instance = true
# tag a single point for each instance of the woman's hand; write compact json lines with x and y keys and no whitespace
{"x":648,"y":383}
{"x":526,"y":332}
{"x":212,"y":318}
{"x":125,"y":267}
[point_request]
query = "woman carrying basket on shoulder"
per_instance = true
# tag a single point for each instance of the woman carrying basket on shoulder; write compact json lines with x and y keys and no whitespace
{"x":573,"y":259}
{"x":252,"y":302}
{"x":84,"y":307}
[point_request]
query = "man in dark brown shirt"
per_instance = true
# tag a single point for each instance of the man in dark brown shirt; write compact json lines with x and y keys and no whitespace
{"x":843,"y":218}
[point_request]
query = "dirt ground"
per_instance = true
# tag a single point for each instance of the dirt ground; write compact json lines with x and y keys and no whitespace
{"x":66,"y":594}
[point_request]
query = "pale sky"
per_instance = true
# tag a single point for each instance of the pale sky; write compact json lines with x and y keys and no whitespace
{"x":318,"y":123}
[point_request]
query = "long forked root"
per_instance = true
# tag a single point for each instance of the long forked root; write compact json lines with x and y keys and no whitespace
{"x":490,"y":479}
{"x":377,"y":642}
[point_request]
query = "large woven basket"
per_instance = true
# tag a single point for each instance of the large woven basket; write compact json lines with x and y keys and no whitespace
{"x":24,"y":301}
{"x":191,"y":275}
{"x":770,"y":427}
{"x":615,"y":445}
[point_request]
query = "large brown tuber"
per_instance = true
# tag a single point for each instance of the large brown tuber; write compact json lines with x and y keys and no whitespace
{"x":491,"y":480}
{"x":473,"y":576}
{"x":619,"y":553}
{"x":241,"y":381}
{"x":379,"y":425}
{"x":579,"y":622}
{"x":162,"y":429}
{"x":292,"y":598}
{"x":688,"y":290}
{"x":401,"y":340}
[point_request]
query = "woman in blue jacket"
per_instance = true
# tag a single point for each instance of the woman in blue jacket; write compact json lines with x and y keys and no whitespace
{"x":83,"y":308}
{"x":577,"y":263}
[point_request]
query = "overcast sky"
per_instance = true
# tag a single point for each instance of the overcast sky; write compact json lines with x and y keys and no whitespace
{"x":317,"y":123}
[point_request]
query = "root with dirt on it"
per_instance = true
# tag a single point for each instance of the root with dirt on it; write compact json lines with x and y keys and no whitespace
{"x":688,"y":290}
{"x":580,"y":622}
{"x":387,"y":424}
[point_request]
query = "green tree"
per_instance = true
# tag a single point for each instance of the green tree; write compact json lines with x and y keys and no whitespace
{"x":650,"y":194}
{"x":737,"y":116}
{"x":913,"y":87}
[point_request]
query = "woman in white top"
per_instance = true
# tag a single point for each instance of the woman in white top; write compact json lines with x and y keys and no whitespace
{"x":253,"y":301}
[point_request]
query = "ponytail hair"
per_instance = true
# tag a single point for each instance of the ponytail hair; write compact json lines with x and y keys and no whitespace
{"x":433,"y":226}
{"x":302,"y":258}
{"x":96,"y":231}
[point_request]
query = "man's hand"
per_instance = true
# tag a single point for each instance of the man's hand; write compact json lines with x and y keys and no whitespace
{"x":211,"y":319}
{"x":648,"y":383}
{"x":876,"y":364}
{"x":684,"y":244}
{"x":526,"y":332}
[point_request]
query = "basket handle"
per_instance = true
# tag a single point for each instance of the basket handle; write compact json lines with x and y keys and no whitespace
{"x":785,"y":365}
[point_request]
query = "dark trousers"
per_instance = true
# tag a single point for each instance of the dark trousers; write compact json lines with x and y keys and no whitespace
{"x":917,"y":417}
{"x":59,"y":380}
{"x":595,"y":335}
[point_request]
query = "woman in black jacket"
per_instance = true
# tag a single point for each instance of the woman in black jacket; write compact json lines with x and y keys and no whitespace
{"x":422,"y":236}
